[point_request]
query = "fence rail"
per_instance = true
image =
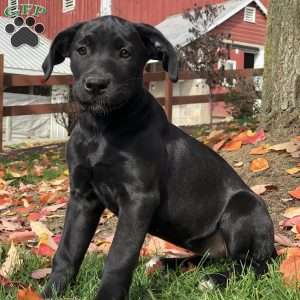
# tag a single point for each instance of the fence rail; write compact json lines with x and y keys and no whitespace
{"x":17,"y":80}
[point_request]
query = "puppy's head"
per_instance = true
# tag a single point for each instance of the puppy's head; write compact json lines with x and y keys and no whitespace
{"x":108,"y":55}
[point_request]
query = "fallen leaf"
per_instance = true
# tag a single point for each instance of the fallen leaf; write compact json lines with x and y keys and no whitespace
{"x":44,"y":234}
{"x":292,"y":251}
{"x":289,"y":147}
{"x":10,"y":225}
{"x":35,"y":216}
{"x":291,"y":212}
{"x":296,"y":228}
{"x":295,"y":193}
{"x":254,"y":138}
{"x":288,"y":223}
{"x":290,"y":269}
{"x":238,"y":164}
{"x":232,"y":146}
{"x":280,"y":147}
{"x":28,"y":294}
{"x":293,"y":171}
{"x":259,"y":164}
{"x":22,"y":236}
{"x":155,"y":246}
{"x":52,"y":208}
{"x":293,"y":147}
{"x":260,"y":150}
{"x":43,"y":250}
{"x":285,"y":241}
{"x":215,"y":135}
{"x":241,"y":136}
{"x":40,"y":273}
{"x":216,"y":147}
{"x":260,"y":189}
{"x":12,"y":262}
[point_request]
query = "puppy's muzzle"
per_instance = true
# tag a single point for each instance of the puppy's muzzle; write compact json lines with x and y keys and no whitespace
{"x":96,"y":85}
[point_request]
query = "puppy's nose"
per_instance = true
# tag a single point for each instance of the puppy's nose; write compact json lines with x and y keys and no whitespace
{"x":95,"y":85}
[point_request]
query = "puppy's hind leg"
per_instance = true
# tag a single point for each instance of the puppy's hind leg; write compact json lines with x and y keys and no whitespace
{"x":248,"y":232}
{"x":249,"y":236}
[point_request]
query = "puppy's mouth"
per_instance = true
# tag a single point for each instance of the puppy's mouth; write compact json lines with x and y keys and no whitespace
{"x":101,"y":105}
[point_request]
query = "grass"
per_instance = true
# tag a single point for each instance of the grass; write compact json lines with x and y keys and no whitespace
{"x":161,"y":285}
{"x":54,"y":168}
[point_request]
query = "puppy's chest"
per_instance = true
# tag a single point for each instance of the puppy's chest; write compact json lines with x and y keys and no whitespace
{"x":105,"y":161}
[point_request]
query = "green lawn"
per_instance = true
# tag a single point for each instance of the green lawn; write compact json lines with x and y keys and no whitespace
{"x":161,"y":285}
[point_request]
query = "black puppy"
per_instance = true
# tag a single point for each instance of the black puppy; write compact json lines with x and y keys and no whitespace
{"x":124,"y":155}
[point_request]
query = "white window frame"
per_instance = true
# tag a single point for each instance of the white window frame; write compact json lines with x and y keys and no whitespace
{"x":247,"y":11}
{"x":68,"y":8}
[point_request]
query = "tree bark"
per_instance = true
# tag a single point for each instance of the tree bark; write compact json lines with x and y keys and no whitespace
{"x":281,"y":87}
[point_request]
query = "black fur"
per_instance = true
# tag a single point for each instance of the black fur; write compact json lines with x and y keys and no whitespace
{"x":124,"y":155}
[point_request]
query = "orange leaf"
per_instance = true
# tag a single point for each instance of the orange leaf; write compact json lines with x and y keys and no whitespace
{"x":28,"y":294}
{"x":259,"y":164}
{"x":260,"y":150}
{"x":232,"y":146}
{"x":254,"y":138}
{"x":295,"y":193}
{"x":290,"y":269}
{"x":241,"y":136}
{"x":34,"y":216}
{"x":249,"y":137}
{"x":43,"y":250}
{"x":219,"y":145}
{"x":293,"y":251}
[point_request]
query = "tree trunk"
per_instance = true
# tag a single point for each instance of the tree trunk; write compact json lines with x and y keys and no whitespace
{"x":281,"y":88}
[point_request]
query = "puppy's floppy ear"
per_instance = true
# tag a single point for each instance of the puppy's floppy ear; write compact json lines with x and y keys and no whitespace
{"x":59,"y":49}
{"x":159,"y":48}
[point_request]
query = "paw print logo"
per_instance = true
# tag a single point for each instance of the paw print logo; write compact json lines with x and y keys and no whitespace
{"x":24,"y":32}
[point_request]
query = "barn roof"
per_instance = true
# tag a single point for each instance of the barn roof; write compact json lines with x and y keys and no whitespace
{"x":176,"y":29}
{"x":25,"y":59}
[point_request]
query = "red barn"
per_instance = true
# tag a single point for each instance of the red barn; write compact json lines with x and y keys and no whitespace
{"x":62,"y":13}
{"x":245,"y":20}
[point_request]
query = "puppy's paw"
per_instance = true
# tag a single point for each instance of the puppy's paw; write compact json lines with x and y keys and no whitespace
{"x":212,"y":281}
{"x":206,"y":284}
{"x":153,"y":265}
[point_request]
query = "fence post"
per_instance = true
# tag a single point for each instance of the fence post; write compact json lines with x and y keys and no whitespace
{"x":1,"y":99}
{"x":168,"y":97}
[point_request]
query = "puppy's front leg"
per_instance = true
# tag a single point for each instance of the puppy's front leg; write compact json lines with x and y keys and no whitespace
{"x":134,"y":221}
{"x":82,"y":217}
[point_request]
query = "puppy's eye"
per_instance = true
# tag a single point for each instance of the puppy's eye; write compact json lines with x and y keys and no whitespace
{"x":124,"y":53}
{"x":82,"y":50}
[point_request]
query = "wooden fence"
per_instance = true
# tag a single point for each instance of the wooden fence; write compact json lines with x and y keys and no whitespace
{"x":16,"y":80}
